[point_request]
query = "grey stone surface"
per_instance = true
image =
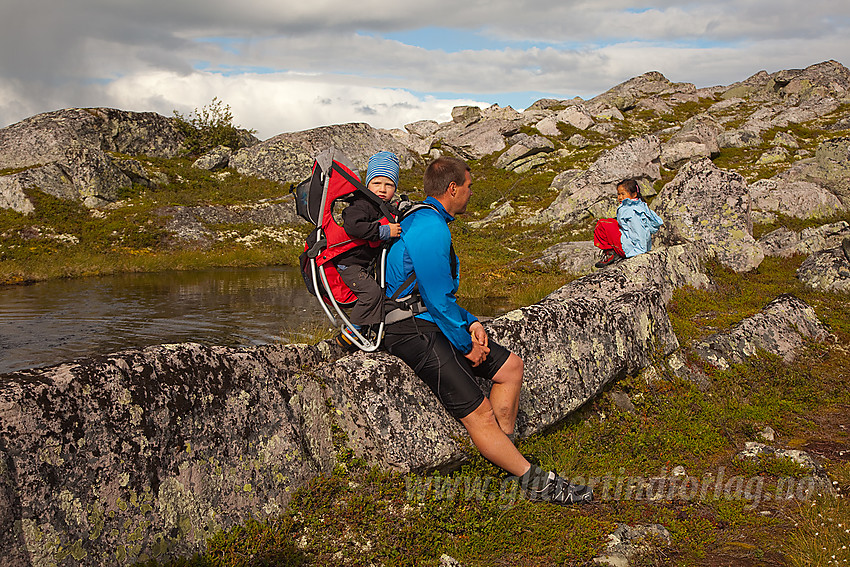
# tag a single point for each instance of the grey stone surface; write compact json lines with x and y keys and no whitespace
{"x":780,"y":328}
{"x":522,"y":147}
{"x":706,"y":204}
{"x":479,"y":139}
{"x":801,"y":199}
{"x":144,"y":453}
{"x":288,"y":158}
{"x":627,"y":541}
{"x":755,"y":450}
{"x":572,"y":257}
{"x":216,"y":158}
{"x":592,"y":193}
{"x":696,"y":138}
{"x":827,"y":270}
{"x":64,"y":153}
{"x":576,"y":116}
{"x":502,"y":211}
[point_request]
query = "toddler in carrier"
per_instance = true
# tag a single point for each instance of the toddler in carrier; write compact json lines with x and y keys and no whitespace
{"x":362,"y":219}
{"x":631,"y":232}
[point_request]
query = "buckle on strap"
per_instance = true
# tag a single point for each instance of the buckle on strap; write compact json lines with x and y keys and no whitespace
{"x":409,"y":310}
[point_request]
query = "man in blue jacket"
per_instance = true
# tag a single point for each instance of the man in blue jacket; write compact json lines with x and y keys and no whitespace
{"x":447,"y":346}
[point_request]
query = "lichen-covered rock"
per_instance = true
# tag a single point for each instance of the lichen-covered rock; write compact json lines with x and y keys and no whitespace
{"x":148,"y":452}
{"x":625,"y":95}
{"x":801,"y":199}
{"x":64,"y":153}
{"x":479,"y":139}
{"x":706,"y":204}
{"x":522,"y":147}
{"x":593,"y":192}
{"x":577,"y":116}
{"x":502,"y":211}
{"x":288,"y":157}
{"x":780,"y":242}
{"x":216,"y":158}
{"x":696,"y":138}
{"x":754,"y":451}
{"x":780,"y":328}
{"x":827,"y":270}
{"x":572,"y":257}
{"x":626,"y":541}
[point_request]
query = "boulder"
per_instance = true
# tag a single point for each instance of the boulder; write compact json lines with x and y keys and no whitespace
{"x":739,"y":138}
{"x":706,"y":204}
{"x":655,"y":104}
{"x":548,"y":126}
{"x":145,"y":453}
{"x":503,"y":211}
{"x":522,"y":147}
{"x":780,"y":328}
{"x":826,"y":79}
{"x":479,"y":139}
{"x":466,"y":115}
{"x":422,"y":128}
{"x":785,"y":243}
{"x":576,"y":116}
{"x":572,"y":257}
{"x":827,"y":270}
{"x":800,"y":199}
{"x":593,"y":192}
{"x":288,"y":157}
{"x":64,"y":153}
{"x":696,"y":138}
{"x":756,"y":451}
{"x":216,"y":158}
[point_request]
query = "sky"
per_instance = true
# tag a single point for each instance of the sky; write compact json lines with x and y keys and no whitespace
{"x":286,"y":65}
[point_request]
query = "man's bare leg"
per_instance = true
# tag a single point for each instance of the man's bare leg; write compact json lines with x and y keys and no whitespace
{"x":504,"y":395}
{"x":492,"y":441}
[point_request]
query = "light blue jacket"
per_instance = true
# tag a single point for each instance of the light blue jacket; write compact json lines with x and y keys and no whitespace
{"x":425,"y":247}
{"x":637,"y":225}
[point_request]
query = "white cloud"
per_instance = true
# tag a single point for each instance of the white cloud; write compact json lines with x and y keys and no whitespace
{"x":162,"y":55}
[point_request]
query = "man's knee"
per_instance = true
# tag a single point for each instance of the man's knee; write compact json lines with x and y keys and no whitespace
{"x":481,"y":416}
{"x":511,"y":370}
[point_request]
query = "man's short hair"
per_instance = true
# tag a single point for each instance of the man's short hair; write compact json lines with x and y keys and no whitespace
{"x":441,"y":172}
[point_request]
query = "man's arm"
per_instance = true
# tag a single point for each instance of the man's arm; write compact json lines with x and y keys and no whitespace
{"x":429,"y":245}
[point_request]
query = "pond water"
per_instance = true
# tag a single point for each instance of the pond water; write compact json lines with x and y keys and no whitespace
{"x":51,"y":322}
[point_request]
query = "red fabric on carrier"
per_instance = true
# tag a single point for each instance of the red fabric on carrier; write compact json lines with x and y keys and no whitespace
{"x":607,"y":234}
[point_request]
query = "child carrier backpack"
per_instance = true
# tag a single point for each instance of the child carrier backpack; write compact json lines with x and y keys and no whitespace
{"x":332,"y":179}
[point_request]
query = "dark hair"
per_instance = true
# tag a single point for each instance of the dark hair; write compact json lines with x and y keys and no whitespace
{"x":441,"y":172}
{"x":632,"y":187}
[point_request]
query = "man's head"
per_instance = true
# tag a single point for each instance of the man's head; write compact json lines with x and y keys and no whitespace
{"x":382,"y":175}
{"x":449,"y":180}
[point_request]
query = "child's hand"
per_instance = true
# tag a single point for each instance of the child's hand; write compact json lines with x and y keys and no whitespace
{"x":395,"y":229}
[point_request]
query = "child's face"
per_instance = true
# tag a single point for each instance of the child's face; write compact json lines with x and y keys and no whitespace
{"x":623,"y":193}
{"x":383,"y":187}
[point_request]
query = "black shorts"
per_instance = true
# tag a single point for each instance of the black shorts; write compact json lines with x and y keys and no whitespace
{"x":445,"y":370}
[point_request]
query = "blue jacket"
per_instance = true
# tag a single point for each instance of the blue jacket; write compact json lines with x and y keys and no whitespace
{"x":637,"y":225}
{"x":425,"y":247}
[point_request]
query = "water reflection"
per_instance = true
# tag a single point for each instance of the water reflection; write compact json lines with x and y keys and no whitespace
{"x":51,"y":322}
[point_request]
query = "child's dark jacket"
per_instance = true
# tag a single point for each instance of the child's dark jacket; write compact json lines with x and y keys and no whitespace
{"x":361,"y":219}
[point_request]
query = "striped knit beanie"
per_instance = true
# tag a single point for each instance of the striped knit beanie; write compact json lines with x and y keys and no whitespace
{"x":384,"y":164}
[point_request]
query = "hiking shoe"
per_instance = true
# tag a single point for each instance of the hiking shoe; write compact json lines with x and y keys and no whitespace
{"x":345,"y":342}
{"x":610,"y":258}
{"x":539,"y":486}
{"x":558,"y":490}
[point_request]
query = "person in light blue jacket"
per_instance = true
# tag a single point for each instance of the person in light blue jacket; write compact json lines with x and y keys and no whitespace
{"x":631,"y":233}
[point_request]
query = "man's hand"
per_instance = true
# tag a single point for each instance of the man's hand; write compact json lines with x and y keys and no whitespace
{"x":478,"y":334}
{"x":395,"y":229}
{"x":478,"y":353}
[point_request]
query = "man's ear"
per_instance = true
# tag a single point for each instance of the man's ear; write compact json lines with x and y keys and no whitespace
{"x":452,"y":188}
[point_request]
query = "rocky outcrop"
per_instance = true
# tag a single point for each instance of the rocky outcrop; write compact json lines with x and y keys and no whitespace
{"x":625,"y":95}
{"x":801,"y":199}
{"x":696,"y":138}
{"x":706,"y":204}
{"x":592,"y":193}
{"x":216,"y":158}
{"x":572,"y":257}
{"x":525,"y":153}
{"x":144,"y":453}
{"x":288,"y":158}
{"x":828,"y":270}
{"x":785,"y":242}
{"x":66,"y":153}
{"x":628,"y":541}
{"x":780,"y":329}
